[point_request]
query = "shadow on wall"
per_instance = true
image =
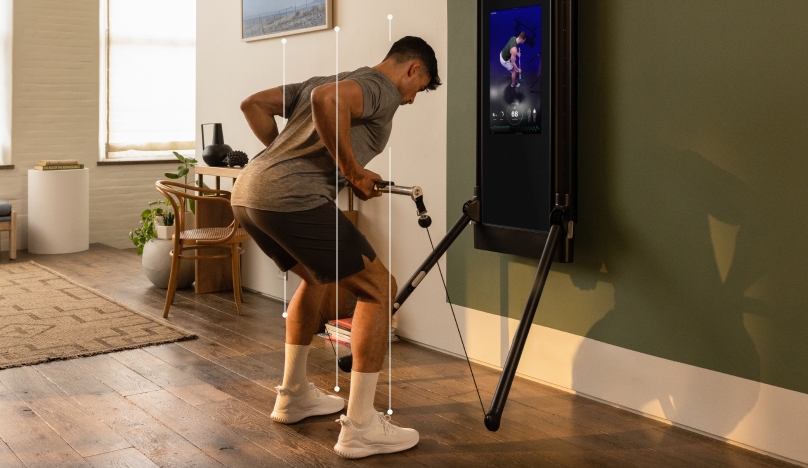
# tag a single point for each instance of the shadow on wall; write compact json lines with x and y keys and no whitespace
{"x":680,"y":287}
{"x":693,"y":193}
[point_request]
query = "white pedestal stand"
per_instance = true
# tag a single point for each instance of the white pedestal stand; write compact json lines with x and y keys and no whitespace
{"x":58,"y":211}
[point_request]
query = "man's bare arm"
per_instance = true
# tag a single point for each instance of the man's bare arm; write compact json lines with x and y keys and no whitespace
{"x":326,"y":114}
{"x":515,"y":53}
{"x":260,"y":110}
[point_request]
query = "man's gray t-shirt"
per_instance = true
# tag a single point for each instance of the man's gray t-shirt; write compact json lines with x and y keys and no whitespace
{"x":297,"y":172}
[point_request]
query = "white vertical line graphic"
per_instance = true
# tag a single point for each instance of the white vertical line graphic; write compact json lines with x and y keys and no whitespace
{"x":336,"y":211}
{"x":285,"y":273}
{"x":283,"y":42}
{"x":389,"y":284}
{"x":285,"y":313}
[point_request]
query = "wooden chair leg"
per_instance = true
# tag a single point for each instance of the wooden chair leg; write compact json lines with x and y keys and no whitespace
{"x":240,"y":286}
{"x":172,"y":280}
{"x":12,"y":240}
{"x":236,"y":274}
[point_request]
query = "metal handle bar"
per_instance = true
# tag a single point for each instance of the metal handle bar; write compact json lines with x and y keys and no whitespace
{"x":390,"y":187}
{"x":416,"y":193}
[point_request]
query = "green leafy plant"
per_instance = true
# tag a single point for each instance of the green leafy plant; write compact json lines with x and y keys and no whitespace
{"x":182,"y":173}
{"x":146,"y":232}
{"x":168,"y":218}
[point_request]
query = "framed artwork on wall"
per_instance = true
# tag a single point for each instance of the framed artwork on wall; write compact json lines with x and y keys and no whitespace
{"x":264,"y":19}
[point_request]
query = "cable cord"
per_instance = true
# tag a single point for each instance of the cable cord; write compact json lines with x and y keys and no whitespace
{"x":462,"y":343}
{"x":332,"y":342}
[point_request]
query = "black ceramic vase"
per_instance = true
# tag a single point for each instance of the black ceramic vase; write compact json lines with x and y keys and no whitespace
{"x":214,"y":154}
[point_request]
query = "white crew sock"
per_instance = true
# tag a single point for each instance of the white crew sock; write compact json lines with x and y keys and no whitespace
{"x":294,"y":368}
{"x":360,"y":401}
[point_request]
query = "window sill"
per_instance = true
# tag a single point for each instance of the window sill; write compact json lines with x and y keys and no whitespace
{"x":123,"y":162}
{"x":7,"y":166}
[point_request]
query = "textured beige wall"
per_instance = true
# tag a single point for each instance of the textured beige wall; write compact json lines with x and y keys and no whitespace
{"x":55,"y":114}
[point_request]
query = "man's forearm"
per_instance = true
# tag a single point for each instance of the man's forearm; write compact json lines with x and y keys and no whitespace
{"x":323,"y":111}
{"x":261,"y":123}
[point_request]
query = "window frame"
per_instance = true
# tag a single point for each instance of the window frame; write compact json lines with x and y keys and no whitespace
{"x":103,"y":101}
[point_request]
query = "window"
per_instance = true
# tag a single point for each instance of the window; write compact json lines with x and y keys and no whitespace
{"x":150,"y":78}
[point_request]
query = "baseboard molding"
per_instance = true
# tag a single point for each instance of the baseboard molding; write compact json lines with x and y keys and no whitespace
{"x":759,"y":417}
{"x":261,"y":293}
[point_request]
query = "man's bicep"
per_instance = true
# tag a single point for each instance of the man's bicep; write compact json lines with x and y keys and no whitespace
{"x":269,"y":100}
{"x":514,"y":51}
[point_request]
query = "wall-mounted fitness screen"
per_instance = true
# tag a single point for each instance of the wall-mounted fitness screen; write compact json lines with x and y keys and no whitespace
{"x":514,"y":56}
{"x":527,"y":122}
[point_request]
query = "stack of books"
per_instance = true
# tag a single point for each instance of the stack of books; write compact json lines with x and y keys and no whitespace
{"x":342,"y":328}
{"x":58,"y":164}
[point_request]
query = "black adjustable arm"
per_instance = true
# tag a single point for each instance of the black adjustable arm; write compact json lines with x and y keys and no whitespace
{"x":492,"y":419}
{"x":431,"y":260}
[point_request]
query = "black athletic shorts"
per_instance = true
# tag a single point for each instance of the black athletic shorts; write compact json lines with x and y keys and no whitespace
{"x":309,"y":238}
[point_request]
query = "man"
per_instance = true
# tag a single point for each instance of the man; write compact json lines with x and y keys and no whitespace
{"x":508,"y":56}
{"x":285,"y":199}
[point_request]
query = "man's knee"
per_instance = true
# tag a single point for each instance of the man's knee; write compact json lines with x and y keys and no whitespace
{"x":385,"y":287}
{"x":373,"y":283}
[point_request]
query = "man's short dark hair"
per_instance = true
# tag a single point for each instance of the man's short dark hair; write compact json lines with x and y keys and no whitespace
{"x":522,"y":35}
{"x":414,"y":48}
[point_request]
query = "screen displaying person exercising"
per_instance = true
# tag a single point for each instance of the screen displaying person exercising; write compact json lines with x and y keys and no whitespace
{"x":508,"y":56}
{"x":284,"y":199}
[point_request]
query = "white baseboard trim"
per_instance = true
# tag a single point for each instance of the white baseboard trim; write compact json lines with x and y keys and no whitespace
{"x":267,"y":295}
{"x":759,"y":417}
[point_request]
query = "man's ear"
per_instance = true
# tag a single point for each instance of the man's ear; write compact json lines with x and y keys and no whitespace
{"x":415,"y":68}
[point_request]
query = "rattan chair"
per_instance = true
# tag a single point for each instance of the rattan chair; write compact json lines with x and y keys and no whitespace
{"x":8,"y":222}
{"x":223,"y":238}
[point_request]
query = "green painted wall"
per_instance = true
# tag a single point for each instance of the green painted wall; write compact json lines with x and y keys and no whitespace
{"x":692,"y":242}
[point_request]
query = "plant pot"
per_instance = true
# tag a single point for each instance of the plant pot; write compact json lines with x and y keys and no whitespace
{"x":165,"y":232}
{"x":157,"y":264}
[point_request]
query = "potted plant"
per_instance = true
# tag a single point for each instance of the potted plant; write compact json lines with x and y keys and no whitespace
{"x":153,"y":237}
{"x":165,"y":225}
{"x":156,"y":252}
{"x":148,"y":221}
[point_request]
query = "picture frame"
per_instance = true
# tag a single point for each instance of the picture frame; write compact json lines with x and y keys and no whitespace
{"x":266,"y":19}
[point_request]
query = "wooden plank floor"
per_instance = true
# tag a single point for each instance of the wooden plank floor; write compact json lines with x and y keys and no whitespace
{"x":206,"y":402}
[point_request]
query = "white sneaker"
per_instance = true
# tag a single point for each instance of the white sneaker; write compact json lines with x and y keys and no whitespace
{"x":291,"y":408}
{"x":379,"y":437}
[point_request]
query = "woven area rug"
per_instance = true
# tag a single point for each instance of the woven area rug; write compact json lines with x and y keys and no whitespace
{"x":45,"y":316}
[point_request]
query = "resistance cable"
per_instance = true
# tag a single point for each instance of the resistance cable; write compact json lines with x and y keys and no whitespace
{"x":451,"y":307}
